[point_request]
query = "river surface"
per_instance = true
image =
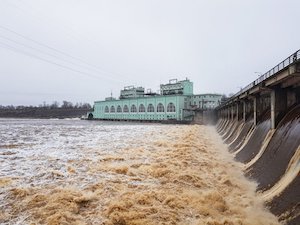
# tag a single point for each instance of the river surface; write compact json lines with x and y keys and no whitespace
{"x":91,"y":172}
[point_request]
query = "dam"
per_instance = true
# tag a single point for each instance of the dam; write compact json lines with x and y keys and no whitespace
{"x":261,"y":125}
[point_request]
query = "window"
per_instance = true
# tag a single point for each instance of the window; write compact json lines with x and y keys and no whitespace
{"x":150,"y":108}
{"x":133,"y":108}
{"x":171,"y":107}
{"x":106,"y":109}
{"x":160,"y":108}
{"x":112,"y":109}
{"x":125,"y":109}
{"x":142,"y":108}
{"x":119,"y":109}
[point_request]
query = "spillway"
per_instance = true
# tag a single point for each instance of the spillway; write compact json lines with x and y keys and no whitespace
{"x":256,"y":140}
{"x":271,"y":158}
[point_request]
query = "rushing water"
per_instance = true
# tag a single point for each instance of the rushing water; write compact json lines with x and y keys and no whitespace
{"x":83,"y":172}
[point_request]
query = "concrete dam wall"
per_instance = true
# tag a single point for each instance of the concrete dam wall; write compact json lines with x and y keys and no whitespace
{"x":271,"y":157}
{"x":261,"y":125}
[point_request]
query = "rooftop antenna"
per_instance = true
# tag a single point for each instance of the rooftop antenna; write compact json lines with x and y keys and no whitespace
{"x":111,"y":93}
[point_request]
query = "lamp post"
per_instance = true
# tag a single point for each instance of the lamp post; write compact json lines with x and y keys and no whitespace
{"x":260,"y":76}
{"x":259,"y":73}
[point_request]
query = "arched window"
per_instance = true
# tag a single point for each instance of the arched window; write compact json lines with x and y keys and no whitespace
{"x":125,"y":109}
{"x":133,"y":108}
{"x":150,"y":108}
{"x":106,"y":110}
{"x":142,"y":108}
{"x":160,"y":108}
{"x":112,"y":109}
{"x":119,"y":109}
{"x":171,"y":107}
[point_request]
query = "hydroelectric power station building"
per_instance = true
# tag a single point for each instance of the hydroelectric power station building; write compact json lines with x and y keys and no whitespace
{"x":176,"y":102}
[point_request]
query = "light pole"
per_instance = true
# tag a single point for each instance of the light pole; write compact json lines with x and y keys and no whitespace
{"x":259,"y":73}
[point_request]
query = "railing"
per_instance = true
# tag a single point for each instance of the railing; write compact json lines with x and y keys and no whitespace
{"x":284,"y":64}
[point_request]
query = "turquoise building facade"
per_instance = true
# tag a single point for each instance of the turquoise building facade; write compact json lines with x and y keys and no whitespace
{"x":147,"y":108}
{"x":174,"y":103}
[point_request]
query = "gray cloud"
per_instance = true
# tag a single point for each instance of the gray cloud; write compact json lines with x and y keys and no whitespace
{"x":82,"y":50}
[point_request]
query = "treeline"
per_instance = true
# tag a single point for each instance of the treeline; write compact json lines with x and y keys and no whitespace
{"x":54,"y":105}
{"x":55,"y":110}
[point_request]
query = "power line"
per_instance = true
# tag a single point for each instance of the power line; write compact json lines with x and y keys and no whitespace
{"x":33,"y":11}
{"x":4,"y":45}
{"x":39,"y":15}
{"x":46,"y":53}
{"x":53,"y":49}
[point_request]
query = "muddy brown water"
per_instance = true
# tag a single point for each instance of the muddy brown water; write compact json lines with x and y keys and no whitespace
{"x":80,"y":172}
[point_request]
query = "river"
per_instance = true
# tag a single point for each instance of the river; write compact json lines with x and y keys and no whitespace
{"x":92,"y":172}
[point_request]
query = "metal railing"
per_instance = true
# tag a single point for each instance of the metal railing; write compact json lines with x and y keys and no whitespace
{"x":284,"y":64}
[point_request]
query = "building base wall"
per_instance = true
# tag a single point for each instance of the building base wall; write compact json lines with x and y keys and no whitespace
{"x":145,"y":121}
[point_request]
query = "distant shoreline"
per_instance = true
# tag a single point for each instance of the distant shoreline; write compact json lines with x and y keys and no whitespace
{"x":43,"y":113}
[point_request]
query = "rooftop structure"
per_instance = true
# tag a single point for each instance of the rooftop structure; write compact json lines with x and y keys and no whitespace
{"x":110,"y":99}
{"x":175,"y":87}
{"x":132,"y":92}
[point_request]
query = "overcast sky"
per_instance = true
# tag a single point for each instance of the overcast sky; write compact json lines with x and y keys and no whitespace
{"x":82,"y":50}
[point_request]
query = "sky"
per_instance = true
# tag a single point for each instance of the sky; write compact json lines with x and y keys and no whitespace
{"x":86,"y":50}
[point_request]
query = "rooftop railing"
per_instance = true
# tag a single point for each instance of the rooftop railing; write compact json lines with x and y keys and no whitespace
{"x":284,"y":64}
